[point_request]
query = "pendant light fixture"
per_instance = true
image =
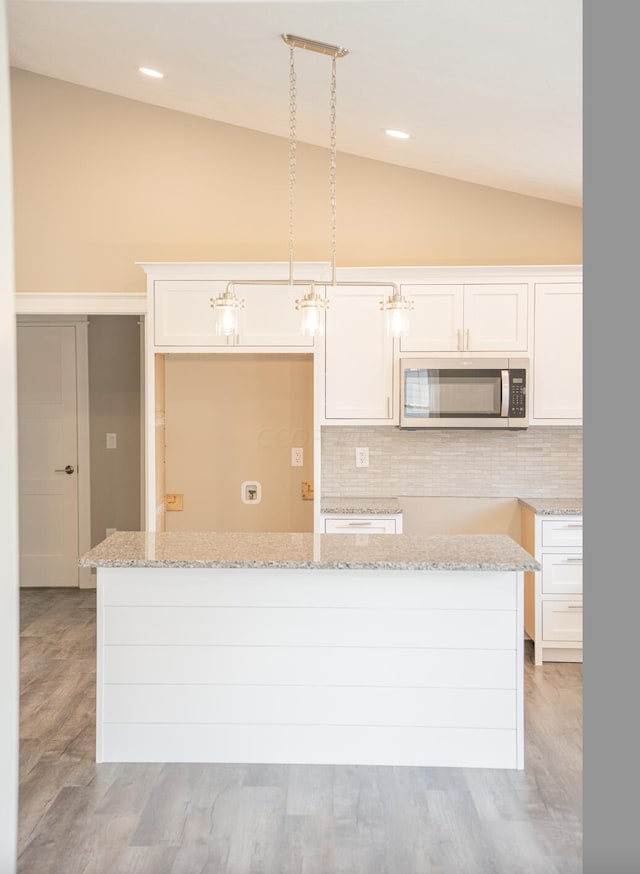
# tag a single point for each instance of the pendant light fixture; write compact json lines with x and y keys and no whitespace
{"x":311,"y":305}
{"x":396,"y":309}
{"x":227,"y":306}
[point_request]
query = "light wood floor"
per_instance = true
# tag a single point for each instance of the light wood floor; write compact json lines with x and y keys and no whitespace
{"x":77,"y":817}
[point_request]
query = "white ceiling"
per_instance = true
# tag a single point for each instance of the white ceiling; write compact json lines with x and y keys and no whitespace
{"x":490,"y":90}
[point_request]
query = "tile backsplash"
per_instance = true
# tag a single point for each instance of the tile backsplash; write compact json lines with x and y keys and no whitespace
{"x":537,"y":462}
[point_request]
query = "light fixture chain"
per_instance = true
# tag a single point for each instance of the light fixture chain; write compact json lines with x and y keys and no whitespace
{"x":332,"y":167}
{"x":292,"y":155}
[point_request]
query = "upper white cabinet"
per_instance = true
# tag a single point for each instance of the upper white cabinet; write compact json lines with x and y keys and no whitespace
{"x":476,"y":317}
{"x":358,"y":357}
{"x":183,"y":315}
{"x":557,"y":358}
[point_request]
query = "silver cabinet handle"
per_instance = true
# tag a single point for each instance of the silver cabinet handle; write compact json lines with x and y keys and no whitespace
{"x":459,"y":333}
{"x":355,"y":525}
{"x":468,"y":340}
{"x":504,"y":409}
{"x":571,"y":561}
{"x":68,"y":469}
{"x":569,"y":607}
{"x":573,"y":525}
{"x":388,"y":407}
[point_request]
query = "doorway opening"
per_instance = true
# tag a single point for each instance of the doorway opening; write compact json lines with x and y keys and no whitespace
{"x":81,"y":439}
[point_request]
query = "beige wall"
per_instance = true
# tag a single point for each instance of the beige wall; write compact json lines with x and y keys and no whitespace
{"x":114,"y":407}
{"x":461,"y":516}
{"x":230,"y":419}
{"x":102,"y":181}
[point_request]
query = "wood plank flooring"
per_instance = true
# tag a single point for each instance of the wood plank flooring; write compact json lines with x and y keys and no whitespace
{"x":77,"y":817}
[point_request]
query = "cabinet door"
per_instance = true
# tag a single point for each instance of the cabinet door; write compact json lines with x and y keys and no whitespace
{"x":183,"y":315}
{"x":435,"y":322}
{"x":561,"y":573}
{"x":562,"y":620}
{"x":270,"y":317}
{"x":359,"y":356}
{"x":495,"y":317}
{"x":557,"y":360}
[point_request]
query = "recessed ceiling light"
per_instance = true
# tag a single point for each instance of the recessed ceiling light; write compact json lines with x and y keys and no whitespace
{"x":153,"y":73}
{"x":398,"y":134}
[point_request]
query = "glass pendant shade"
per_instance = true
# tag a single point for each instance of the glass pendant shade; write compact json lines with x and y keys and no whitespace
{"x":312,"y":308}
{"x":396,"y":309}
{"x":226,"y":320}
{"x":397,"y":323}
{"x":226,"y":308}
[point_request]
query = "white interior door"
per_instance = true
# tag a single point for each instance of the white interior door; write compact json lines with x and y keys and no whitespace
{"x":48,"y":443}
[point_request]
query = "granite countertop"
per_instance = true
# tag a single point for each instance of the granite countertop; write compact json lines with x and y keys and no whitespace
{"x":481,"y":552}
{"x":554,"y":506}
{"x":360,"y":506}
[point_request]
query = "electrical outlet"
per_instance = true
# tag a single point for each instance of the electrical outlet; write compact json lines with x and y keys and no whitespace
{"x":173,"y":501}
{"x":362,"y":456}
{"x":297,"y":456}
{"x":111,"y":441}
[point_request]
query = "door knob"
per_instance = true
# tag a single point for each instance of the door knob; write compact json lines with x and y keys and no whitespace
{"x":68,"y":469}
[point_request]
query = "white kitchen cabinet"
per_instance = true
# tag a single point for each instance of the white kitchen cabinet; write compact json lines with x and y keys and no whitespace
{"x":553,"y":595}
{"x":183,"y":315}
{"x":358,"y":357}
{"x":374,"y":523}
{"x":476,"y":317}
{"x":557,"y":358}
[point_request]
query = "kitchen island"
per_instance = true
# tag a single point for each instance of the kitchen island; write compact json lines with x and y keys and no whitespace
{"x":302,"y":648}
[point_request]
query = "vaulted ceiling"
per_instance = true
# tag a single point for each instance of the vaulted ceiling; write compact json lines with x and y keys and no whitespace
{"x":490,"y":90}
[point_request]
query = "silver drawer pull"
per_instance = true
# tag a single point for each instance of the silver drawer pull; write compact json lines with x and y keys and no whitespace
{"x":569,"y":607}
{"x":574,"y":525}
{"x":355,"y":524}
{"x":571,"y":561}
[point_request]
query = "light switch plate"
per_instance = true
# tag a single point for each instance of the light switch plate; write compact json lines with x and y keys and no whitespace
{"x":362,"y":456}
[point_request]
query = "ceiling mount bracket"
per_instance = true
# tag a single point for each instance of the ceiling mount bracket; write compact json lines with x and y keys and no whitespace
{"x":312,"y":45}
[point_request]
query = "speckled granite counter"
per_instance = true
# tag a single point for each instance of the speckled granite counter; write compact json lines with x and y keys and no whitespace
{"x":485,"y":552}
{"x":360,"y":506}
{"x":554,"y":506}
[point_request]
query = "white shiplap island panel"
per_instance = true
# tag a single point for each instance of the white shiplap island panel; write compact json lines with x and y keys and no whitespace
{"x":334,"y":665}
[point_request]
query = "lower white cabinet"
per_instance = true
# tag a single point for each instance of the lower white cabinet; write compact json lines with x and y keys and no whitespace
{"x":553,"y":595}
{"x":367,"y":524}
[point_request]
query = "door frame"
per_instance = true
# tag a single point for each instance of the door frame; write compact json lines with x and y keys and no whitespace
{"x":74,"y":309}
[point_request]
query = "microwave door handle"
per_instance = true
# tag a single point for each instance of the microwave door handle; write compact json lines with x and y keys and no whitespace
{"x":504,"y":411}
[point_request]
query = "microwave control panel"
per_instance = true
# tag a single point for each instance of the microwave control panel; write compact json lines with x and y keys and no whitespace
{"x":517,"y":394}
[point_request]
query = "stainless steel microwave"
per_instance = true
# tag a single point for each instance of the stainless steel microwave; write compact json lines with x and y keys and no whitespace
{"x":464,"y":393}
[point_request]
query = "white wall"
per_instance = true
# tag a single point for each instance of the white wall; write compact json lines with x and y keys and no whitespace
{"x":8,"y":478}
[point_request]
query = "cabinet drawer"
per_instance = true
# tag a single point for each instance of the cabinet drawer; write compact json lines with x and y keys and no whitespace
{"x":558,"y":532}
{"x":562,"y":620}
{"x":359,"y":525}
{"x":562,"y":574}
